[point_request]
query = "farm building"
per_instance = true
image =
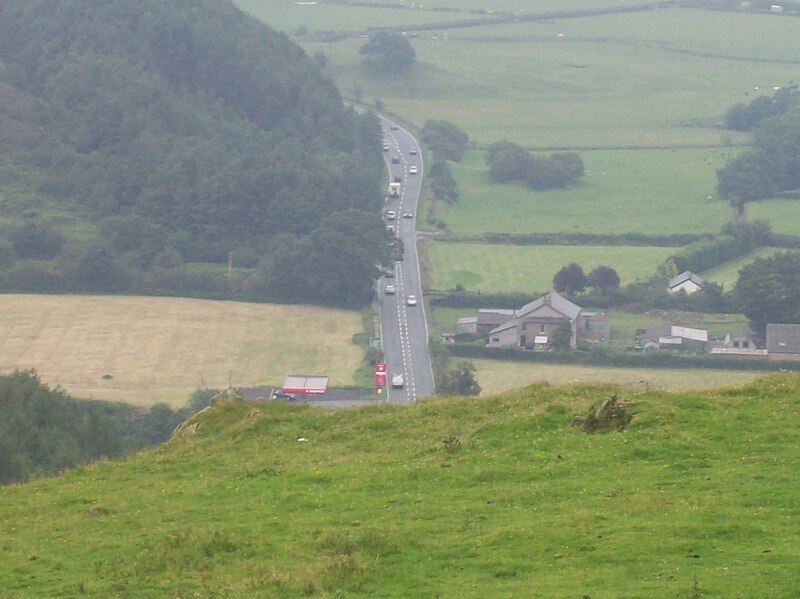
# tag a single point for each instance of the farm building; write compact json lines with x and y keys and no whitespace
{"x":687,"y":282}
{"x":783,"y":342}
{"x":670,"y":336}
{"x":303,"y":384}
{"x":533,"y":325}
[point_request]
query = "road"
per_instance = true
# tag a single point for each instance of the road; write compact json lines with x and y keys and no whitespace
{"x":404,"y":329}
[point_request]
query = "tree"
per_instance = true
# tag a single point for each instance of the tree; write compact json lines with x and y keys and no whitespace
{"x":445,"y":139}
{"x":508,"y":161}
{"x":459,"y":379}
{"x":511,"y":162}
{"x":388,"y":53}
{"x":768,"y":290}
{"x":570,"y":279}
{"x":561,"y":339}
{"x":603,"y":278}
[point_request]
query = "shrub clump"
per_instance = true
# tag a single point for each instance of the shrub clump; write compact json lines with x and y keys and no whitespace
{"x":612,"y":413}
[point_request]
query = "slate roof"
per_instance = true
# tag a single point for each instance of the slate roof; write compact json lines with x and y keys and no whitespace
{"x":686,"y":275}
{"x":559,"y":303}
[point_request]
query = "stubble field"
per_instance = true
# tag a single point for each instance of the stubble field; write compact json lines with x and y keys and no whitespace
{"x":143,"y":351}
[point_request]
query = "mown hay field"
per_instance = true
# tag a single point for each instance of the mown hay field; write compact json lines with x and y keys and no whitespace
{"x":143,"y":351}
{"x":496,"y":376}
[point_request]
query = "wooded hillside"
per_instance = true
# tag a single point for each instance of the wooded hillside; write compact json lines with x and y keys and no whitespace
{"x":138,"y":135}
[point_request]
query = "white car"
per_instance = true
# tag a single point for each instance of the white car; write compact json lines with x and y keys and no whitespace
{"x":391,"y":215}
{"x":408,"y":214}
{"x":389,"y":290}
{"x":411,"y":300}
{"x":412,"y":170}
{"x":397,"y":381}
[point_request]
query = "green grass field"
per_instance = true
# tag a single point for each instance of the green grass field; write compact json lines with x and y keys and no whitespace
{"x":143,"y":351}
{"x":696,"y":498}
{"x":530,"y":269}
{"x":782,"y":215}
{"x":727,"y":274}
{"x":649,"y":192}
{"x":656,"y":78}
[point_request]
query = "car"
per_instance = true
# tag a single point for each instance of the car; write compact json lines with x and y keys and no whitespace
{"x":397,"y":381}
{"x":411,"y":300}
{"x":390,"y":228}
{"x":412,"y":151}
{"x":395,"y":159}
{"x":391,"y":215}
{"x":412,"y":170}
{"x":386,"y":146}
{"x":393,"y":127}
{"x":398,"y":178}
{"x":388,"y":273}
{"x":389,"y":290}
{"x":280,"y":394}
{"x":408,"y":214}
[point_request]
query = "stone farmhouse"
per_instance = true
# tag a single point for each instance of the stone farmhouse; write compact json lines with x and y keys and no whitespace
{"x":532,"y":326}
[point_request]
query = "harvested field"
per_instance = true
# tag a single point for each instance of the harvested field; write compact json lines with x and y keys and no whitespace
{"x":145,"y":350}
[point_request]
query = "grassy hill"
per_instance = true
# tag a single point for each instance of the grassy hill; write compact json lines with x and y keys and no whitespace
{"x":477,"y":498}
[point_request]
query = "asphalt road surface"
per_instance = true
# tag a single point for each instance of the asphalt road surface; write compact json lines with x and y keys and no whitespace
{"x":404,"y":330}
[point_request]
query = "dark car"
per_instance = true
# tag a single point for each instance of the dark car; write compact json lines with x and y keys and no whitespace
{"x":398,"y":178}
{"x":393,"y":127}
{"x":395,"y":159}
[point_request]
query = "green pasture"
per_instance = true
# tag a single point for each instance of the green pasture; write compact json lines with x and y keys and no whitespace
{"x":727,"y":274}
{"x":332,"y":17}
{"x":530,"y":269}
{"x":475,"y":498}
{"x":650,"y":79}
{"x":782,"y":215}
{"x":655,"y":192}
{"x":287,"y":16}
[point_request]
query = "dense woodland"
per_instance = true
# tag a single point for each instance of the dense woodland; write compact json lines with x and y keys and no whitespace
{"x":44,"y":431}
{"x":139,"y":136}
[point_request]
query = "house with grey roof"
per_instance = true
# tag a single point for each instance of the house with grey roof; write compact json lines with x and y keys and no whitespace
{"x":533,"y":325}
{"x":687,"y":282}
{"x":783,"y":342}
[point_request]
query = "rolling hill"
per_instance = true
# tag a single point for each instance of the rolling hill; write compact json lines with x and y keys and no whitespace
{"x":451,"y":497}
